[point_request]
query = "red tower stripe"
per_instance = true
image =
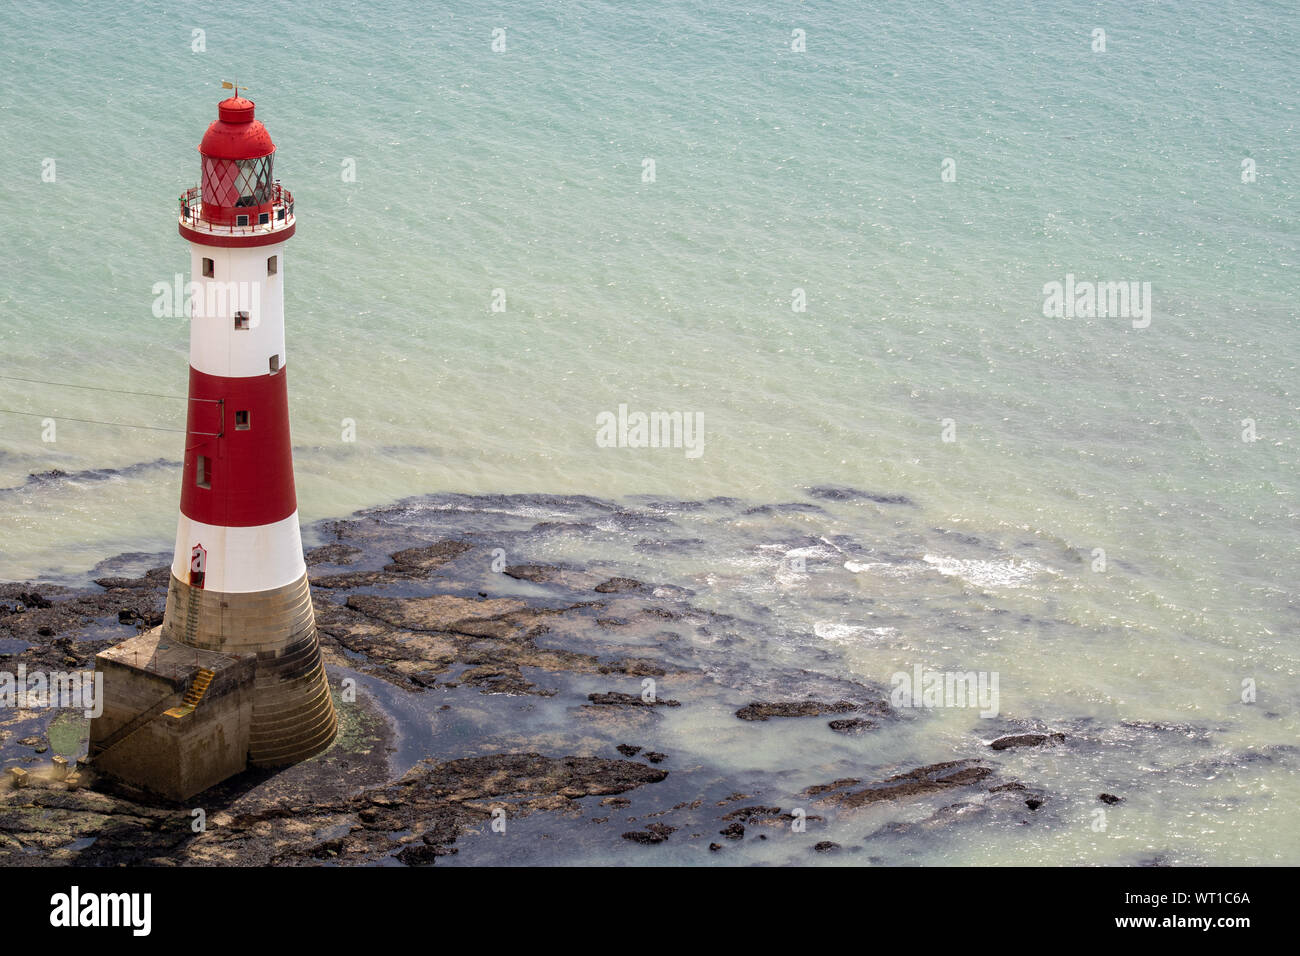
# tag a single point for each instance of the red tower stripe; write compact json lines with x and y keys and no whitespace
{"x":249,"y":471}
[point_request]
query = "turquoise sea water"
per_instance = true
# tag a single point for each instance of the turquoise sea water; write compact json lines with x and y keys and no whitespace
{"x":775,"y":170}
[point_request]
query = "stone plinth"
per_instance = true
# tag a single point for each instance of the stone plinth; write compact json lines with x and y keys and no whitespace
{"x":150,"y":737}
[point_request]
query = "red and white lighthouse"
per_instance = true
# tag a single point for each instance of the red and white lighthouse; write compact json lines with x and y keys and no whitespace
{"x":239,"y":582}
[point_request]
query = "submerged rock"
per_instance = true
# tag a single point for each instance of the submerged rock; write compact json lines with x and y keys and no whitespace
{"x":838,"y":493}
{"x":1008,"y":741}
{"x":922,"y":780}
{"x":850,"y":725}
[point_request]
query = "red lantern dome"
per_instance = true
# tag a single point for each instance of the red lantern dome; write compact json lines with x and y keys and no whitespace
{"x":236,"y":134}
{"x":239,"y":194}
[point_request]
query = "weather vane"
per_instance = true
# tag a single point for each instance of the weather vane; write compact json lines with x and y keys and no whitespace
{"x":227,"y":85}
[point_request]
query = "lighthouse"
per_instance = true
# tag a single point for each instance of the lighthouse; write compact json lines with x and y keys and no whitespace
{"x":233,"y":677}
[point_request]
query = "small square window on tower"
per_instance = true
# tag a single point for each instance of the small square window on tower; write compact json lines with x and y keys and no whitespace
{"x":241,"y":320}
{"x":203,"y":472}
{"x":241,"y":421}
{"x":263,"y":218}
{"x":209,"y":268}
{"x":275,"y":364}
{"x":272,"y":265}
{"x":241,"y":220}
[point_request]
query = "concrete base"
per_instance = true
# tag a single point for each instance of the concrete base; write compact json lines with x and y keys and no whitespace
{"x":147,"y":737}
{"x":268,"y":704}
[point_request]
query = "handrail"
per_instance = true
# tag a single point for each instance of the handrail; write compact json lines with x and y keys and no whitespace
{"x":135,"y":723}
{"x":192,"y":212}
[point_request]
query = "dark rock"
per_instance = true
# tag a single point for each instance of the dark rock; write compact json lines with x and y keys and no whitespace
{"x":327,"y":850}
{"x":335,"y":553}
{"x":922,"y":780}
{"x":536,"y":573}
{"x":654,"y":833}
{"x":423,"y":854}
{"x":1033,"y":803}
{"x":627,"y":750}
{"x":655,"y":756}
{"x":614,"y":699}
{"x":398,"y":638}
{"x":421,"y":561}
{"x":839,"y":784}
{"x":850,"y":725}
{"x":788,"y":507}
{"x":1109,"y":798}
{"x":1007,"y":741}
{"x":763,"y":710}
{"x":747,"y":814}
{"x":826,"y":846}
{"x":733,"y":831}
{"x":618,"y":585}
{"x":834,"y":493}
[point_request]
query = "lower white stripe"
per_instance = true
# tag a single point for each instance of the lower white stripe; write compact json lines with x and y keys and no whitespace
{"x":240,"y":560}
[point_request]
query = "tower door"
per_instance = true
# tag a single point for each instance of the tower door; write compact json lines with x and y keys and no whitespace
{"x":198,"y":566}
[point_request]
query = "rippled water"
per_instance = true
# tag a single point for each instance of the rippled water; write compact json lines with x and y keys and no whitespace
{"x":774,"y":171}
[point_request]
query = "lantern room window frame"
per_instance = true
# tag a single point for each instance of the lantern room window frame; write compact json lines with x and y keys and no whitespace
{"x":238,"y":183}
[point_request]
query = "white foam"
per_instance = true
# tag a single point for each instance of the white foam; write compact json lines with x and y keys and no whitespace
{"x":986,"y":574}
{"x":850,"y":633}
{"x":885,"y":568}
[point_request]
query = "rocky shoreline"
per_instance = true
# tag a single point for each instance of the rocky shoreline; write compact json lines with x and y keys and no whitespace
{"x":476,"y":695}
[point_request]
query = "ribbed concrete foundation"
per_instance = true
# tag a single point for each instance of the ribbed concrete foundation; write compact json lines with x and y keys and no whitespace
{"x":293,"y":713}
